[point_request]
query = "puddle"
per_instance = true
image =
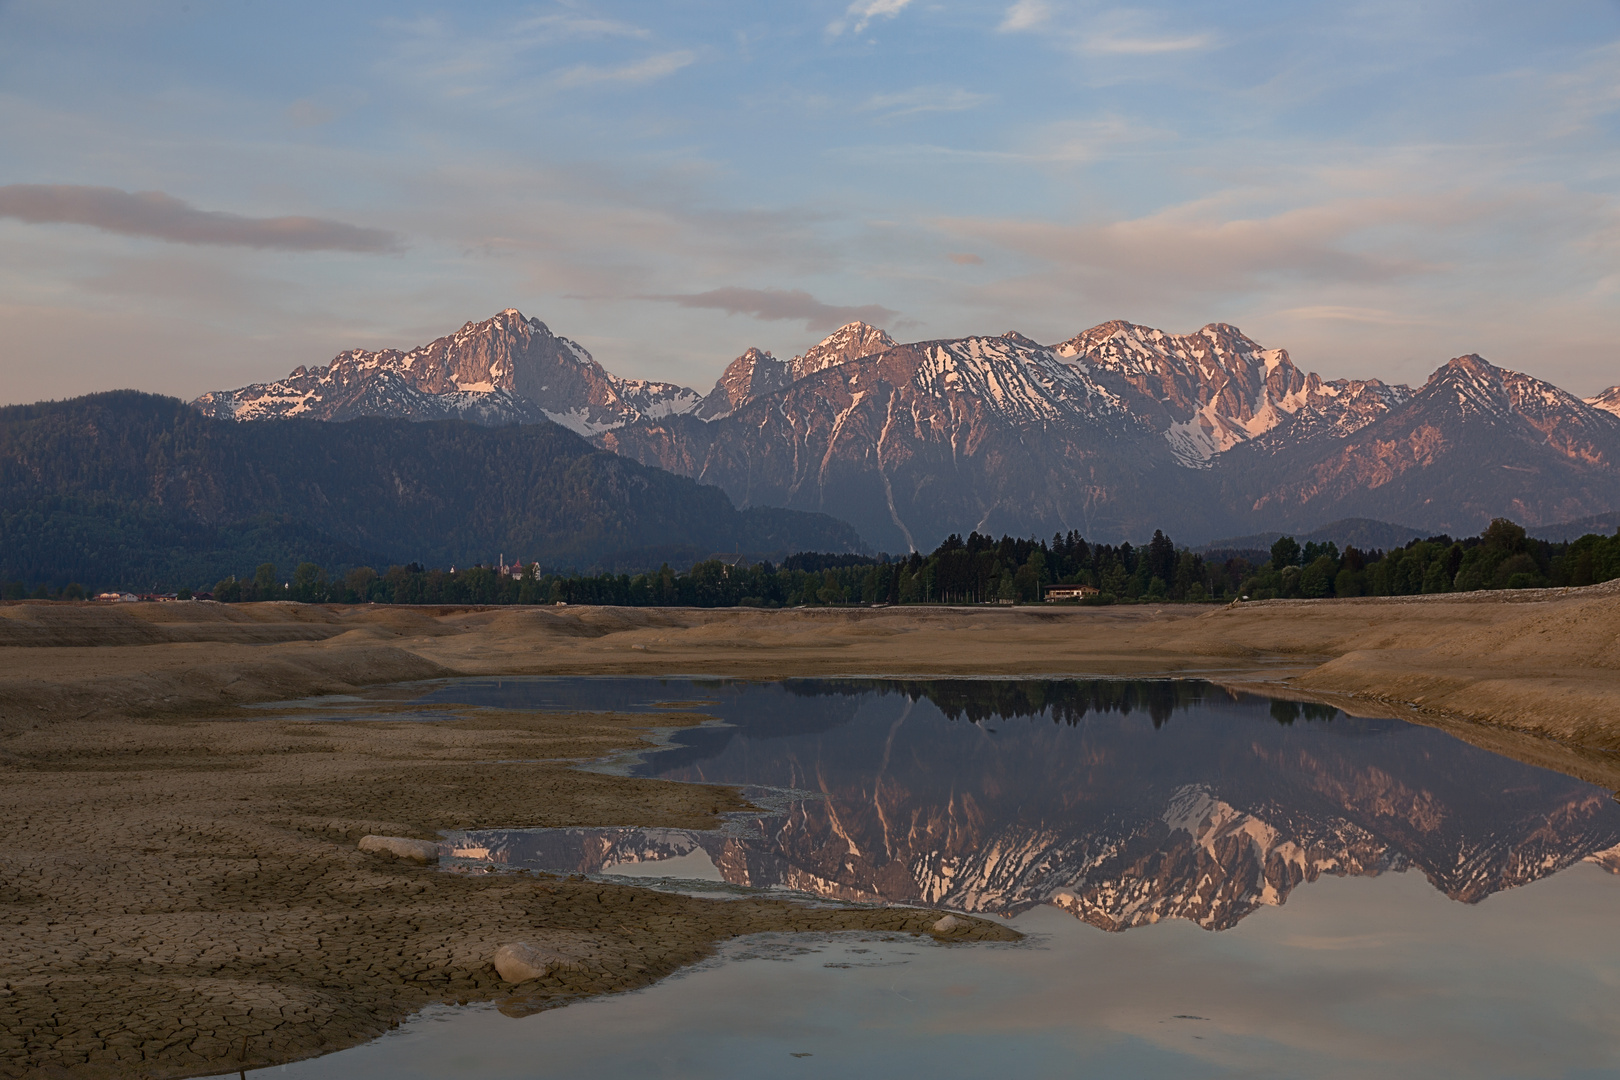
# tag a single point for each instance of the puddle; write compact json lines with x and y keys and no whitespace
{"x":1361,"y":977}
{"x":1123,"y":803}
{"x":1285,"y":890}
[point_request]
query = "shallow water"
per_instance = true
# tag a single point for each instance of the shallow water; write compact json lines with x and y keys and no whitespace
{"x":1286,"y":891}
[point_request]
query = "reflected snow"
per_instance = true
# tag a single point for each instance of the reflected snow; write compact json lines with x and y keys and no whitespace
{"x":1306,"y":894}
{"x":1122,"y":803}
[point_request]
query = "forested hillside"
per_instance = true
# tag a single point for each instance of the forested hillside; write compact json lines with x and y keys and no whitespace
{"x":131,"y":490}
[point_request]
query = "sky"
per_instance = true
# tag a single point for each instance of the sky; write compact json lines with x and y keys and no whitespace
{"x":199,"y":194}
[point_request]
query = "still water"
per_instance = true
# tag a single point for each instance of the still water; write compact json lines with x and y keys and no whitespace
{"x":1211,"y":885}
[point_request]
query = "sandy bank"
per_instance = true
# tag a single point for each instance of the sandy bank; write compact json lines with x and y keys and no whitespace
{"x":180,"y":890}
{"x":183,"y":897}
{"x":1544,"y":662}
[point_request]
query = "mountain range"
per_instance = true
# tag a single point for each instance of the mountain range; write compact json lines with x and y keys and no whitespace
{"x":1115,"y":431}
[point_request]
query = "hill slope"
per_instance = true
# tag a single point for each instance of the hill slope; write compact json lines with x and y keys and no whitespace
{"x":80,"y":478}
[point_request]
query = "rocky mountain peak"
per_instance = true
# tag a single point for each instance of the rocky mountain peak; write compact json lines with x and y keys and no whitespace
{"x":849,"y":342}
{"x":1477,"y":384}
{"x":504,"y":369}
{"x":753,"y":374}
{"x":1474,"y":387}
{"x":1207,"y":391}
{"x":1608,"y":400}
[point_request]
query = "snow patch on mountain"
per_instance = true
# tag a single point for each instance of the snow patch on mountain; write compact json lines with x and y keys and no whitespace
{"x":1608,"y":401}
{"x":506,"y":369}
{"x":849,"y":342}
{"x":1215,"y":389}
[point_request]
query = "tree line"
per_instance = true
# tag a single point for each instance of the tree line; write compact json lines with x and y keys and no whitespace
{"x":976,"y":570}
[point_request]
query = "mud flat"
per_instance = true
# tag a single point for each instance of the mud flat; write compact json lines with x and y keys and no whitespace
{"x":181,"y":892}
{"x":183,"y":897}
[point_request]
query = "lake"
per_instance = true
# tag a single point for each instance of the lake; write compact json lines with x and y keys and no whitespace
{"x":1211,"y":884}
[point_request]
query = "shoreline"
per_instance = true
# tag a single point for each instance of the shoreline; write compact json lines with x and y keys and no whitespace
{"x":186,"y":897}
{"x":179,"y":881}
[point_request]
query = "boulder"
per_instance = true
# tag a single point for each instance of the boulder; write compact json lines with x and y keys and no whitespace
{"x":520,"y":961}
{"x":422,"y":851}
{"x":949,"y":923}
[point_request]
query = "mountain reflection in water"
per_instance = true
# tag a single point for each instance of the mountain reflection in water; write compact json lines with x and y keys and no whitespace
{"x":1123,"y":803}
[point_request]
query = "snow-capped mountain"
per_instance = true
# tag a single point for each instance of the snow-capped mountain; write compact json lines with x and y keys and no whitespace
{"x":506,"y":369}
{"x":757,"y":373}
{"x":1123,"y":429}
{"x":849,"y":342}
{"x":1209,"y":391}
{"x":1608,"y":401}
{"x":752,"y":375}
{"x":1475,"y":442}
{"x":1115,"y":431}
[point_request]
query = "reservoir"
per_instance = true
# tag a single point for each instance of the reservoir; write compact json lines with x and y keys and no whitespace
{"x":1209,"y":884}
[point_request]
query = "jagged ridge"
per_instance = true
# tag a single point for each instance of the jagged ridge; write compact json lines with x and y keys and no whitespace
{"x":1115,"y":431}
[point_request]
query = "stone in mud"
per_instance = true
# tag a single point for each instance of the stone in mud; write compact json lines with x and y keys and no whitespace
{"x":520,"y":961}
{"x":948,"y":924}
{"x":422,"y":851}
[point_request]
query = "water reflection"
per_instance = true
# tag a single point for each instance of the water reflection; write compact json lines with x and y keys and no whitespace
{"x":1122,"y":803}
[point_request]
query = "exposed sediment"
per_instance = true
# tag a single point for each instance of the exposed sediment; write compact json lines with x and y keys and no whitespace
{"x":181,"y":891}
{"x":184,"y":897}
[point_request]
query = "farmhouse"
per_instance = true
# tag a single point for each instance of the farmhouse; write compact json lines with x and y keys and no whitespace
{"x":1055,"y":593}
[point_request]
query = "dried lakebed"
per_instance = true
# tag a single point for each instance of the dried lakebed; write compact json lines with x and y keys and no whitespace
{"x":1209,"y":884}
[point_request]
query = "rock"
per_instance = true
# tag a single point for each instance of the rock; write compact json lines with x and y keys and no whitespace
{"x":422,"y":851}
{"x":520,"y":961}
{"x":949,"y":923}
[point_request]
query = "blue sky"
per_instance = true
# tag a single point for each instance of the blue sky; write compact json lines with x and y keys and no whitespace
{"x":194,"y":195}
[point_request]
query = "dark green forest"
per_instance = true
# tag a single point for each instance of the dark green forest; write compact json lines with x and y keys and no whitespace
{"x":982,"y":570}
{"x":135,"y":491}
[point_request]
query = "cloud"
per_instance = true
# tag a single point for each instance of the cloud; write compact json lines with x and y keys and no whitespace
{"x":307,"y":113}
{"x":565,"y":25}
{"x":163,"y":217}
{"x":964,"y":258}
{"x":508,"y":64}
{"x":653,"y":67}
{"x":923,"y":99}
{"x":863,"y":12}
{"x":1120,"y":32}
{"x":1198,"y":248}
{"x":1120,"y":45}
{"x":1342,"y":313}
{"x":1025,"y":15}
{"x":1064,"y":142}
{"x":770,"y":305}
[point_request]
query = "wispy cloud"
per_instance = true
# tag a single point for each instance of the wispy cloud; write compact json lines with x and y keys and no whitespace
{"x":1025,"y":15}
{"x":1068,"y":142}
{"x":1116,"y":32}
{"x":790,"y":305}
{"x":923,"y":99}
{"x":307,"y":113}
{"x":1111,"y":44}
{"x":1197,"y":247}
{"x":964,"y":258}
{"x":862,"y":12}
{"x":573,"y":25}
{"x":641,"y":71}
{"x":504,"y":66}
{"x":163,"y":217}
{"x":1341,"y":313}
